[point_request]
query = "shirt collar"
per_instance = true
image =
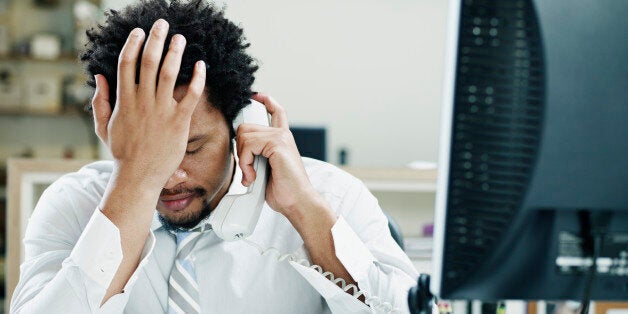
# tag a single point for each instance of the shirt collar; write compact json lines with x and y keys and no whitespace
{"x":156,"y":224}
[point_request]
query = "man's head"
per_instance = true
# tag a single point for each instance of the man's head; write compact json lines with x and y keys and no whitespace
{"x":210,"y":37}
{"x":204,"y":174}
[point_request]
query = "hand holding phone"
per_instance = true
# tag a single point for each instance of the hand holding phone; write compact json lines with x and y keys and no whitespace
{"x":287,"y":190}
{"x":237,"y":213}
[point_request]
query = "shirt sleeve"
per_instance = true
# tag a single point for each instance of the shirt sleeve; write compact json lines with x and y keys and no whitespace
{"x":68,"y":268}
{"x":365,"y":247}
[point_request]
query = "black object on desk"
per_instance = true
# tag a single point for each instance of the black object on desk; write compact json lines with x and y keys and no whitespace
{"x":420,"y":299}
{"x":311,"y":141}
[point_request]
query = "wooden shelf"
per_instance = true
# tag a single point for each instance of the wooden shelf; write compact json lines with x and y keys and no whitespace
{"x":396,"y":179}
{"x":70,"y":112}
{"x":64,"y":58}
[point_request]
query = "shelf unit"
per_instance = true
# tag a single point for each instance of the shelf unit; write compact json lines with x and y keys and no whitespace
{"x":65,"y":58}
{"x":408,"y":195}
{"x":73,"y":112}
{"x":396,"y":179}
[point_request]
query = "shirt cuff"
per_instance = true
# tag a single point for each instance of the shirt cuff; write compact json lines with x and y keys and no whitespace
{"x":98,"y":252}
{"x":352,"y":252}
{"x":385,"y":287}
{"x":337,"y":299}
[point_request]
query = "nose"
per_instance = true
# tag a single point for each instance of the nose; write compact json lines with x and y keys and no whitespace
{"x":179,"y":176}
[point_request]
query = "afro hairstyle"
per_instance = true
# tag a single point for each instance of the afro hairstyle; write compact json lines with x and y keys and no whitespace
{"x":210,"y":37}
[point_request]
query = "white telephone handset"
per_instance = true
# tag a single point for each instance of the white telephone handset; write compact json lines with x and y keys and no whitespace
{"x":237,"y":213}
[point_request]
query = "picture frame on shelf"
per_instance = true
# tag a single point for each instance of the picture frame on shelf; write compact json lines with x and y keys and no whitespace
{"x":27,"y":179}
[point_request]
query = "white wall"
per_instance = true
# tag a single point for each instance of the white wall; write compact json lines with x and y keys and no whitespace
{"x":368,"y":70}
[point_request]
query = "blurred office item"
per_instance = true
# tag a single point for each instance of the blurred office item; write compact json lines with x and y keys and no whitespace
{"x":28,"y":152}
{"x":47,"y":3}
{"x":43,"y":94}
{"x":21,"y":47}
{"x":45,"y":46}
{"x":343,"y":156}
{"x":611,"y":308}
{"x":75,"y":92}
{"x":10,"y":93}
{"x":85,"y":16}
{"x":68,"y":152}
{"x":421,"y":164}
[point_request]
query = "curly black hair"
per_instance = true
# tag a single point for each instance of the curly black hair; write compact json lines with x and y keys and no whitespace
{"x":210,"y":37}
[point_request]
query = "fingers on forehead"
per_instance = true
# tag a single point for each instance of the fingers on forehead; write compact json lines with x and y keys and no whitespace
{"x":128,"y":59}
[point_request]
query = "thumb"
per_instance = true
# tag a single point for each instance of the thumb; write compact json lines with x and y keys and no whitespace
{"x":101,"y":107}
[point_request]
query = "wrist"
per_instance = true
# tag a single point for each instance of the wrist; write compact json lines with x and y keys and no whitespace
{"x":128,"y":198}
{"x":311,"y":216}
{"x":137,"y":178}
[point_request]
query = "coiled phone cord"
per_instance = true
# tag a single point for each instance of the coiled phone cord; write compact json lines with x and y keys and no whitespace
{"x":372,"y":301}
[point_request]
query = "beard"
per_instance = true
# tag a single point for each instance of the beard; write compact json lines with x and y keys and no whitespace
{"x":190,"y":217}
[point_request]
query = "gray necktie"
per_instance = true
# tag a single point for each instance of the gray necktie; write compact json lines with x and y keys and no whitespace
{"x":182,"y":286}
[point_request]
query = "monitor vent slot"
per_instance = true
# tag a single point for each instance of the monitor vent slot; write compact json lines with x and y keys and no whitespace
{"x":497,"y":118}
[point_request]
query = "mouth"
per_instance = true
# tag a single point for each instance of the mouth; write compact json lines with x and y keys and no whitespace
{"x":177,"y":202}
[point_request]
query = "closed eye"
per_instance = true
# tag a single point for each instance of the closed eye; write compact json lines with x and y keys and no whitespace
{"x":191,"y":152}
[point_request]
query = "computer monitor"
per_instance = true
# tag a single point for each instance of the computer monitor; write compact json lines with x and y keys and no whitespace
{"x":311,"y":141}
{"x":533,"y":169}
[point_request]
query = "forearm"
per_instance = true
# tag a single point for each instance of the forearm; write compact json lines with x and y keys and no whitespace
{"x":130,"y":206}
{"x":62,"y":273}
{"x":314,"y":220}
{"x":69,"y":291}
{"x":384,"y":282}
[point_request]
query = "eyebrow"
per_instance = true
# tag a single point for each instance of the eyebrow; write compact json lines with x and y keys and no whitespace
{"x":196,"y":138}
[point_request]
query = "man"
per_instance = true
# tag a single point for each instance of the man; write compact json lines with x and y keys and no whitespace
{"x":170,"y":78}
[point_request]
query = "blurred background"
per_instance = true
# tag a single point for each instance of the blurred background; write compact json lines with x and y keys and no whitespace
{"x":360,"y":79}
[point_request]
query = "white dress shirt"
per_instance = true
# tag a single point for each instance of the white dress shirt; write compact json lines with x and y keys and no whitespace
{"x":72,"y":252}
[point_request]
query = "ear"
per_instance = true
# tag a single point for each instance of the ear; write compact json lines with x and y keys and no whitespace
{"x":101,"y":107}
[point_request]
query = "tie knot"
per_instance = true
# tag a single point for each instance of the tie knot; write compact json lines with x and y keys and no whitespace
{"x":186,"y":240}
{"x":181,"y":235}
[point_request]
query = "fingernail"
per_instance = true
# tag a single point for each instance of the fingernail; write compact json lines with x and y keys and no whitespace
{"x":96,"y":79}
{"x":178,"y":40}
{"x":201,"y":65}
{"x":136,"y":33}
{"x":161,"y":24}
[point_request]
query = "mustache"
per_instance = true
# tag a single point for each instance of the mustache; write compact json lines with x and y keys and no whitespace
{"x":198,"y":191}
